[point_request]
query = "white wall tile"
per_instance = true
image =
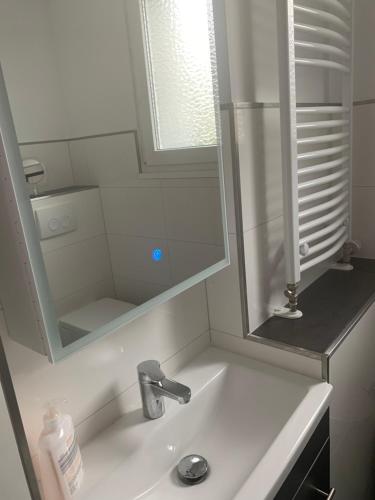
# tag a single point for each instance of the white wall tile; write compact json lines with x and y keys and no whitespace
{"x":85,"y":296}
{"x":363,"y":209}
{"x":224,"y":298}
{"x":253,"y":54}
{"x":364,"y":70}
{"x":229,"y":163}
{"x":137,"y":291}
{"x":364,"y":145}
{"x":131,"y":398}
{"x":87,"y":208}
{"x":110,"y":159}
{"x":134,"y":211}
{"x":190,"y":182}
{"x":78,"y":263}
{"x":268,"y":354}
{"x":252,"y":33}
{"x":93,"y":377}
{"x":252,"y":40}
{"x":131,"y":257}
{"x":312,"y":85}
{"x":77,"y":266}
{"x":56,"y":159}
{"x":188,"y":259}
{"x":107,"y":161}
{"x":82,"y":173}
{"x":193,"y":214}
{"x":238,"y":33}
{"x":265,"y":271}
{"x":259,"y":145}
{"x":363,"y":219}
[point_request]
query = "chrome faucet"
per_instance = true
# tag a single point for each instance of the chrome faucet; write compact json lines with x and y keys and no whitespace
{"x":154,"y":386}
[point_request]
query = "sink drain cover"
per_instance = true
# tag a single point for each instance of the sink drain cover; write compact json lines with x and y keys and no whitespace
{"x":192,"y":469}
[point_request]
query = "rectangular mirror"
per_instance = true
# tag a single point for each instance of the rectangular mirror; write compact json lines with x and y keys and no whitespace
{"x":115,"y":164}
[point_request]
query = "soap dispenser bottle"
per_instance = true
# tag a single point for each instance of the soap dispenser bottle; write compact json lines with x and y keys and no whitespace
{"x":62,"y":456}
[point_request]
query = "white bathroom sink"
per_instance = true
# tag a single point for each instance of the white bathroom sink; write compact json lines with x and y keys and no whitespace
{"x":248,"y":419}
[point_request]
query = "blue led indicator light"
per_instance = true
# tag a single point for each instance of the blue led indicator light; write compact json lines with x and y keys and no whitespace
{"x":157,"y":254}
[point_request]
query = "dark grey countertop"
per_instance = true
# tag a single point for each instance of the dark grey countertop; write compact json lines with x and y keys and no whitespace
{"x":331,"y":306}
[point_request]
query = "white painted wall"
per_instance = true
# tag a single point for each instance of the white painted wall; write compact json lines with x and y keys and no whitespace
{"x":78,"y":263}
{"x":253,"y":46}
{"x":67,"y":68}
{"x":28,"y":61}
{"x":55,"y":157}
{"x":59,"y":88}
{"x":93,"y":57}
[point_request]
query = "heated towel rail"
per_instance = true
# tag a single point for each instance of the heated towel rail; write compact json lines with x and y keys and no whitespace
{"x":316,"y":138}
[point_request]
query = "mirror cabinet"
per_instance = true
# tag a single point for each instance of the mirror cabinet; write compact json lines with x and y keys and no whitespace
{"x":110,"y":158}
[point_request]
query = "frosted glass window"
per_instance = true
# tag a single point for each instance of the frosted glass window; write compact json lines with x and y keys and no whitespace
{"x":180,"y":73}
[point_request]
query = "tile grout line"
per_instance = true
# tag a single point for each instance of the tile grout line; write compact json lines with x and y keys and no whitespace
{"x":132,"y":385}
{"x":275,"y":105}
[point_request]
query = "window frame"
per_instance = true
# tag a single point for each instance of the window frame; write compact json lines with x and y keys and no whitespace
{"x":198,"y":162}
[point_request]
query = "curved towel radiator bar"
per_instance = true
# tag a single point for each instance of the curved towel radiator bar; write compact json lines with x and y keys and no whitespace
{"x":316,"y":139}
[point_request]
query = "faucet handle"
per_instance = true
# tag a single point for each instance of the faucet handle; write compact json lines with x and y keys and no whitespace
{"x":150,"y":371}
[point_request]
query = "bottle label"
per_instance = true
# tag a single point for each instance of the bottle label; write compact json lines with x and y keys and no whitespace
{"x":70,"y":464}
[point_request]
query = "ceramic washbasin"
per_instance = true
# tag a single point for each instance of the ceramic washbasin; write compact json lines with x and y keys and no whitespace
{"x":248,"y":419}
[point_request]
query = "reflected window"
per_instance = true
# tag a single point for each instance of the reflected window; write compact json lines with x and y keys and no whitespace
{"x":179,"y":70}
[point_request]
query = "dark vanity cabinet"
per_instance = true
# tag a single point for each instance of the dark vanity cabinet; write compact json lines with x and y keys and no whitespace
{"x":310,"y":477}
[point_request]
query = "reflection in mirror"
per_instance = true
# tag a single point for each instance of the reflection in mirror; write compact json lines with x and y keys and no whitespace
{"x":115,"y":108}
